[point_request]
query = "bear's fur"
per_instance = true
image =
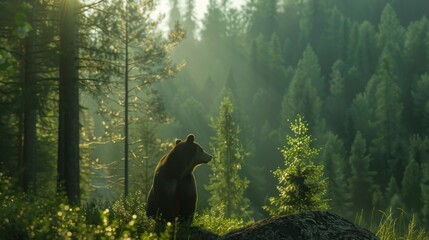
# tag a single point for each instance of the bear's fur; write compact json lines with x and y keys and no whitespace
{"x":173,"y":193}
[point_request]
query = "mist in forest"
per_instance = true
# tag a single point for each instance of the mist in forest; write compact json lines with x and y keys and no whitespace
{"x":94,"y":93}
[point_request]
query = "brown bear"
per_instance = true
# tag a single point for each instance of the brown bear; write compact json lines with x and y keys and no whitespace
{"x":173,"y":193}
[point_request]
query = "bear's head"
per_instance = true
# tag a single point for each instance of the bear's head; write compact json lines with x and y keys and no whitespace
{"x":195,"y":152}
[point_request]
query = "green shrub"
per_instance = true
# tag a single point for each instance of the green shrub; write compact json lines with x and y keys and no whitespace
{"x":25,"y":217}
{"x":218,"y":224}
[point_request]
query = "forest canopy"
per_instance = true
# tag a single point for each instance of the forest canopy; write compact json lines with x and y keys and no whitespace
{"x":93,"y":93}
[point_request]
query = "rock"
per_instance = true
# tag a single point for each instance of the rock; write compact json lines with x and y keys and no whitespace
{"x":305,"y":226}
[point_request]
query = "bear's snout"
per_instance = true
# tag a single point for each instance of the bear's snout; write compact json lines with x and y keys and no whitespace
{"x":209,"y":157}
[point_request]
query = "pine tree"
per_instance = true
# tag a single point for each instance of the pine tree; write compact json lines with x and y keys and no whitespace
{"x":393,"y":198}
{"x":276,"y":69}
{"x":333,"y":41}
{"x":420,"y":96}
{"x":387,"y":144}
{"x":417,"y":62}
{"x":392,"y":189}
{"x":141,"y":58}
{"x":301,"y":184}
{"x":226,"y":186}
{"x":362,"y":54}
{"x":411,"y":191}
{"x":302,"y":96}
{"x":263,"y":18}
{"x":360,"y":181}
{"x":390,"y":32}
{"x":335,"y":103}
{"x":361,"y":115}
{"x":189,"y":22}
{"x":174,"y":16}
{"x":332,"y":156}
{"x":416,"y":39}
{"x":29,"y":181}
{"x":312,"y":20}
{"x":214,"y":24}
{"x":68,"y":170}
{"x":425,"y":193}
{"x":396,"y":204}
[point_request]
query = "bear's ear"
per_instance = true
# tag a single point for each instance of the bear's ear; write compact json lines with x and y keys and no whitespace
{"x":190,"y":138}
{"x":178,"y":141}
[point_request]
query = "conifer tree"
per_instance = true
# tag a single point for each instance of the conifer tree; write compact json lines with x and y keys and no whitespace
{"x":276,"y":69}
{"x":391,"y":190}
{"x":360,"y":181}
{"x":68,"y":164}
{"x":416,"y":62}
{"x":332,"y":157}
{"x":361,"y":115}
{"x":174,"y":16}
{"x":390,"y":32}
{"x":333,"y":40}
{"x":214,"y":29}
{"x":263,"y":19}
{"x":141,"y":58}
{"x":384,"y":98}
{"x":420,"y":96}
{"x":335,"y":103}
{"x":301,"y":184}
{"x":302,"y":96}
{"x":393,"y":197}
{"x":425,"y":193}
{"x":226,"y":186}
{"x":189,"y":22}
{"x":363,"y":54}
{"x":416,"y":39}
{"x":411,"y":192}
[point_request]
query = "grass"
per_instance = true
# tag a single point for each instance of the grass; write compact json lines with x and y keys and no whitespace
{"x":393,"y":226}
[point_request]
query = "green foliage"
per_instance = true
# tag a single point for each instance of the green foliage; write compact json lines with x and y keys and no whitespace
{"x":363,"y":54}
{"x":219,"y":224}
{"x":390,"y":31}
{"x":425,"y":193}
{"x":23,"y":26}
{"x":358,"y":66}
{"x":417,"y":39}
{"x":301,"y":184}
{"x":302,"y":96}
{"x":360,"y":181}
{"x":333,"y":158}
{"x":214,"y":29}
{"x":263,"y":18}
{"x":420,"y":95}
{"x":393,"y":196}
{"x":385,"y":95}
{"x":335,"y":102}
{"x":226,"y":186}
{"x":411,"y":192}
{"x":25,"y":217}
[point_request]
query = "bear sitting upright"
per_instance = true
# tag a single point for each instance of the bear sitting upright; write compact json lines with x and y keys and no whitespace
{"x":173,"y":193}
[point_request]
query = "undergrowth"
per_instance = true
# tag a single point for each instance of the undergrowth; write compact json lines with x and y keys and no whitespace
{"x":22,"y":217}
{"x":393,"y":225}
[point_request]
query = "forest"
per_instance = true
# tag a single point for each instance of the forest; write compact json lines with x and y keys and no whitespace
{"x":94,"y":92}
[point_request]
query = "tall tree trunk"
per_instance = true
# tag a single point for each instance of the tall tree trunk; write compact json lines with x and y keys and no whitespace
{"x":28,"y":176}
{"x":68,"y":132}
{"x":126,"y":103}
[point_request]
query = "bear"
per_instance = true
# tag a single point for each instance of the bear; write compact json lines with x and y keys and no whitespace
{"x":173,"y":193}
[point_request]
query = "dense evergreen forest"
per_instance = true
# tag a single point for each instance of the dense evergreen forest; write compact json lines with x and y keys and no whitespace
{"x":93,"y":93}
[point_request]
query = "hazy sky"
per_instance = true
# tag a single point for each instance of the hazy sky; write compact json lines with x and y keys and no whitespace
{"x":200,"y":7}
